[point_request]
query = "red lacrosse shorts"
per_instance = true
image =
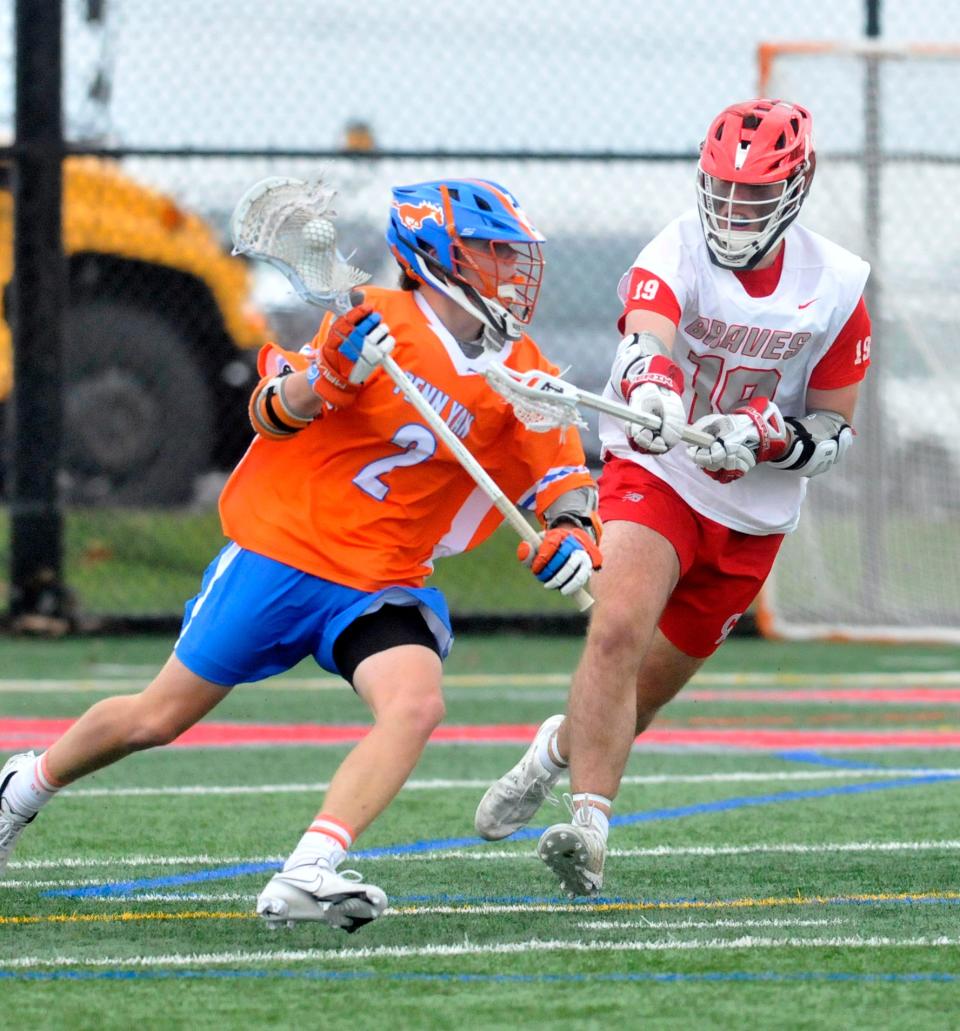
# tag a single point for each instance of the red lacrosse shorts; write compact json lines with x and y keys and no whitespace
{"x":721,"y":570}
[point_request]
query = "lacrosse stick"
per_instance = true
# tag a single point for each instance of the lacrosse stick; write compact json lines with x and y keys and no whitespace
{"x":543,"y":402}
{"x":289,"y":223}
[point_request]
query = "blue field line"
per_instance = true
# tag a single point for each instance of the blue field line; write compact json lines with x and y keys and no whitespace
{"x":528,"y":834}
{"x":727,"y":804}
{"x":643,"y":977}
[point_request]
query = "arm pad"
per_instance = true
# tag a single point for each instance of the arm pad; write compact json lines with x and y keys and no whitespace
{"x":817,"y":442}
{"x":577,"y":507}
{"x":632,"y":354}
{"x":270,"y":414}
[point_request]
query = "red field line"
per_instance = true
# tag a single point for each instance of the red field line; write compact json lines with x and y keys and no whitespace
{"x":17,"y":734}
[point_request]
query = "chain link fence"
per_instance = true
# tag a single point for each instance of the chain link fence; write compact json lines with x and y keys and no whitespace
{"x":590,"y":113}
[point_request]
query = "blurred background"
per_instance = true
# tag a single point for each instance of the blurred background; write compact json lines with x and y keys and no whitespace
{"x":591,"y":113}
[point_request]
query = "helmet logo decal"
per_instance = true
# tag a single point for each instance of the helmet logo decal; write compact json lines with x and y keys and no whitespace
{"x":414,"y":215}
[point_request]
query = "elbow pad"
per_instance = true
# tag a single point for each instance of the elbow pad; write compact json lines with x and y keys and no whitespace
{"x":632,"y":355}
{"x":579,"y":507}
{"x":269,"y":413}
{"x":818,"y":441}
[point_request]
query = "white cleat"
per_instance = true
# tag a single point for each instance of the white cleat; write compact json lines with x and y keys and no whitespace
{"x":11,"y":823}
{"x":315,"y":891}
{"x":575,"y":852}
{"x":512,"y":801}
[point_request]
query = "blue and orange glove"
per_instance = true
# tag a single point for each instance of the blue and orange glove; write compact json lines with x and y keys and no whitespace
{"x":354,"y":346}
{"x":565,"y":559}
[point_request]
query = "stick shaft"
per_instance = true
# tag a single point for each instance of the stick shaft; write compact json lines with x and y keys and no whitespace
{"x":474,"y":469}
{"x":627,"y":414}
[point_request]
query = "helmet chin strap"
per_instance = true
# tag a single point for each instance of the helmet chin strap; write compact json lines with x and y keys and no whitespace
{"x":499,"y":325}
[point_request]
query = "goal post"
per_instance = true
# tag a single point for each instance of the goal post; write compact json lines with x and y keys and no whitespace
{"x":877,"y":553}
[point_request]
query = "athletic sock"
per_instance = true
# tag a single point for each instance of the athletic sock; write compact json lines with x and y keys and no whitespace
{"x":594,"y":815}
{"x":31,"y":787}
{"x":549,"y":755}
{"x":327,"y":840}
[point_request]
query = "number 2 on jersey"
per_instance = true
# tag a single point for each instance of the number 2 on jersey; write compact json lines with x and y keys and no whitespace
{"x":416,"y":444}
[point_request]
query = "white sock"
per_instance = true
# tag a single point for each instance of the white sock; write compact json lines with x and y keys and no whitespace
{"x":594,"y":816}
{"x":31,"y":787}
{"x":549,"y":755}
{"x":327,"y":840}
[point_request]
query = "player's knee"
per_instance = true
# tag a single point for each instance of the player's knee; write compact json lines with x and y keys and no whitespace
{"x":150,"y":734}
{"x":618,"y":637}
{"x":418,"y":713}
{"x":153,"y":729}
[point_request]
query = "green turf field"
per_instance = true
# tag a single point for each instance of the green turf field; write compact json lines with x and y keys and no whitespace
{"x":796,"y":887}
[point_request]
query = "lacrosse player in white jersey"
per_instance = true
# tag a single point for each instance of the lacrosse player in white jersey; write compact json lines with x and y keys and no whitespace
{"x":754,"y":329}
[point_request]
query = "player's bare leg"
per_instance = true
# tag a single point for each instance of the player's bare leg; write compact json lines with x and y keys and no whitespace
{"x":639,"y":574}
{"x":402,"y":686}
{"x":575,"y":852}
{"x":106,"y":732}
{"x":664,"y":671}
{"x":115,"y":727}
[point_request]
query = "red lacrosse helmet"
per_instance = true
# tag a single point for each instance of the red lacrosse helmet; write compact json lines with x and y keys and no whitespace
{"x":756,"y":167}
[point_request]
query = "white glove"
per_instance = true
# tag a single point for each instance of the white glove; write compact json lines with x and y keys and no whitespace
{"x":374,"y":347}
{"x":656,"y":392}
{"x":753,"y":433}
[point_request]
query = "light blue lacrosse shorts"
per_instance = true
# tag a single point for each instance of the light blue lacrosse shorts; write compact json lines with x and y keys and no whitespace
{"x":255,"y":617}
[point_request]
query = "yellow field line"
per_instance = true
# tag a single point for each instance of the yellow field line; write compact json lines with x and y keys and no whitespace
{"x":918,"y":678}
{"x":597,"y":907}
{"x":108,"y":918}
{"x":745,"y":903}
{"x":772,"y":901}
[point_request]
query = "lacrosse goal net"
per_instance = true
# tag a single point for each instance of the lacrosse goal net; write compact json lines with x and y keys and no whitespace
{"x":877,"y":554}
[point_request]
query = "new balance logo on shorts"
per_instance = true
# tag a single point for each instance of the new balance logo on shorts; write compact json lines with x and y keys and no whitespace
{"x":633,"y":496}
{"x":727,"y":627}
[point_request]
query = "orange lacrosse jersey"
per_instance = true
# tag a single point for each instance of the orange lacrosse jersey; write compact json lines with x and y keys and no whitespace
{"x":367,"y":496}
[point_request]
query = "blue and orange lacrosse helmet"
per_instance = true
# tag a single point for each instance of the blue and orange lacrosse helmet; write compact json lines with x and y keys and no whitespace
{"x":470,"y":239}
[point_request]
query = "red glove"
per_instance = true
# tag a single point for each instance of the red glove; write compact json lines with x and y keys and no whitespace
{"x":566,"y":557}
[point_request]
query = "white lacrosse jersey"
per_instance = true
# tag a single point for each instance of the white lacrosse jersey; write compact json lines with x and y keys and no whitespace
{"x":732,"y":346}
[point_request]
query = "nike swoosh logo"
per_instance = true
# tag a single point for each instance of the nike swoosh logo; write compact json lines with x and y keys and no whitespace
{"x":807,"y":305}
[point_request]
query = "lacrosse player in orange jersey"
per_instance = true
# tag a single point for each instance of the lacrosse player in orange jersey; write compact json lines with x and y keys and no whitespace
{"x":335,"y":516}
{"x":753,"y":329}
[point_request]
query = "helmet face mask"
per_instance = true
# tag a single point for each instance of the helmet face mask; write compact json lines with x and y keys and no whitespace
{"x":469,"y":239}
{"x":756,"y":167}
{"x":508,"y":274}
{"x":742,"y":221}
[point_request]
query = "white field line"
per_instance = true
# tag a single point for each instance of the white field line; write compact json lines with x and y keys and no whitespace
{"x":920,"y":678}
{"x":478,"y":854}
{"x":441,"y":784}
{"x":86,"y":862}
{"x":535,"y":945}
{"x":683,"y":925}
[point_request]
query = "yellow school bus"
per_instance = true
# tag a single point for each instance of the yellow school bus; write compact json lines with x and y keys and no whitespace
{"x":160,"y":340}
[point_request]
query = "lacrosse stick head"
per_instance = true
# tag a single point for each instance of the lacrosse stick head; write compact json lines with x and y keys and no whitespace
{"x":540,"y":402}
{"x":289,"y":223}
{"x":470,"y":239}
